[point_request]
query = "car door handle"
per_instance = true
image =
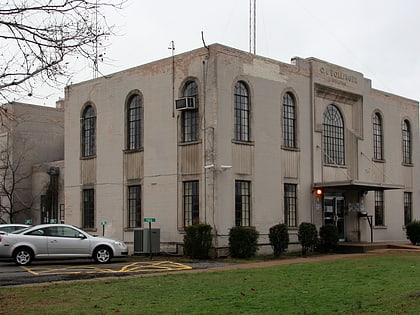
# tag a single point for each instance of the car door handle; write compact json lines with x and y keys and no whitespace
{"x":53,"y":241}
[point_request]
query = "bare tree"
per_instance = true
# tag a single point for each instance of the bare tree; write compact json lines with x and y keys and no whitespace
{"x":38,"y":38}
{"x":12,"y":189}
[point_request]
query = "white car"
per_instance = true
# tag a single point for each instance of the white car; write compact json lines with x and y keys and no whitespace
{"x":58,"y":241}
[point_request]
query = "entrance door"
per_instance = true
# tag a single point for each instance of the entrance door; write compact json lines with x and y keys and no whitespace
{"x":334,"y":213}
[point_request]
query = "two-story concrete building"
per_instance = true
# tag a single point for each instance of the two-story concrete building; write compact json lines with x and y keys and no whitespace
{"x":228,"y":138}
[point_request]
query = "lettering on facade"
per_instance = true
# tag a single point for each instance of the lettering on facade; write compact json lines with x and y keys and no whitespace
{"x":337,"y":76}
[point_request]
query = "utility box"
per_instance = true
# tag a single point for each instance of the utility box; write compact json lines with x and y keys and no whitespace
{"x":144,"y":238}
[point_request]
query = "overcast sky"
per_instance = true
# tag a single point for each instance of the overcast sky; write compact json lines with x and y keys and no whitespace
{"x":379,"y":38}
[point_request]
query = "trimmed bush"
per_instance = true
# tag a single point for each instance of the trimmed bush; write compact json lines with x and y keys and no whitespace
{"x":412,"y":230}
{"x":197,"y":241}
{"x":279,"y":238}
{"x":308,"y":236}
{"x":243,"y":241}
{"x":328,"y":237}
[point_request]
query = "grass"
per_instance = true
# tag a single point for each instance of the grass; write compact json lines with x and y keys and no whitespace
{"x":387,"y":284}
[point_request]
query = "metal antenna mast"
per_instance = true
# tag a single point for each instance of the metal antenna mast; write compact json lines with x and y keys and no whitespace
{"x":95,"y":62}
{"x":253,"y":26}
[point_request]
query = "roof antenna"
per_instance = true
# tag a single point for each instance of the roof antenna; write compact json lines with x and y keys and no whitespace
{"x":202,"y":38}
{"x":253,"y":26}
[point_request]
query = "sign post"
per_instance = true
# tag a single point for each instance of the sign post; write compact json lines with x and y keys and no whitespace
{"x":150,"y":220}
{"x":103,"y":223}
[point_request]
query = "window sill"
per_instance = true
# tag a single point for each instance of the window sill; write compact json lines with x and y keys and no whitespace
{"x":189,"y":143}
{"x":336,"y":165}
{"x":407,"y":164}
{"x":242,"y":142}
{"x":88,"y":157}
{"x":380,"y":227}
{"x":379,"y":160}
{"x":90,"y":229}
{"x":290,"y":149}
{"x":128,"y":151}
{"x":131,"y":229}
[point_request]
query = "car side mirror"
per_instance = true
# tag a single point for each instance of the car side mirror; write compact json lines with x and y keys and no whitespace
{"x":82,"y":236}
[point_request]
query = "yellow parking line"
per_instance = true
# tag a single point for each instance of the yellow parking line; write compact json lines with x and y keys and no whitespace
{"x":126,"y":268}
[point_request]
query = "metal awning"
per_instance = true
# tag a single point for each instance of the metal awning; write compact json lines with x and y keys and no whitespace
{"x":356,"y":185}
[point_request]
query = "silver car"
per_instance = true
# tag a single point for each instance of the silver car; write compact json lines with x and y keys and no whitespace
{"x":58,"y":241}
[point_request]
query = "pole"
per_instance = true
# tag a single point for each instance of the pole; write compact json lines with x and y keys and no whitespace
{"x":150,"y":239}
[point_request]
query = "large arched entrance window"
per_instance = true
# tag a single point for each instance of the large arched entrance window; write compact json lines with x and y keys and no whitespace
{"x":333,"y":136}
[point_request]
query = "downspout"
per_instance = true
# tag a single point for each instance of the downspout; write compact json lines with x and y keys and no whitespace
{"x":311,"y":93}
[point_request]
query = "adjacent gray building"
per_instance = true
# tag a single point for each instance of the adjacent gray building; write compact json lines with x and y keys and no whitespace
{"x":29,"y":135}
{"x":228,"y":138}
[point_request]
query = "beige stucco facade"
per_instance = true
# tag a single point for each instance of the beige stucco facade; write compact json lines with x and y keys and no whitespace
{"x":216,"y":161}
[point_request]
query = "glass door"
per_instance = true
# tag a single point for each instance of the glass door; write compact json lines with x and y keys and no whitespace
{"x":334,"y":213}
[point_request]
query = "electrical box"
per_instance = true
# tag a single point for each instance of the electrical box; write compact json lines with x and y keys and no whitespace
{"x":144,"y":238}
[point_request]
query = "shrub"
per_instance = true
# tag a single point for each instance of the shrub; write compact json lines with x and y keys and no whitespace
{"x":279,"y":238}
{"x":308,"y":236}
{"x":412,"y":230}
{"x":197,"y":241}
{"x":243,"y":241}
{"x":328,"y":235}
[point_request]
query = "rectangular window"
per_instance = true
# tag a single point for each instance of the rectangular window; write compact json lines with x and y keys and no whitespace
{"x":408,"y":207}
{"x":242,"y":203}
{"x":88,"y":218}
{"x":191,"y":203}
{"x":379,"y":207}
{"x":134,"y":206}
{"x":290,"y":205}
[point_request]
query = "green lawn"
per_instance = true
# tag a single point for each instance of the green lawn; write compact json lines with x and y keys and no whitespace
{"x":387,"y":284}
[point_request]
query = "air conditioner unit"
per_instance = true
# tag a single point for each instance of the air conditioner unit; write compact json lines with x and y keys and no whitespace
{"x":185,"y":103}
{"x":144,"y":238}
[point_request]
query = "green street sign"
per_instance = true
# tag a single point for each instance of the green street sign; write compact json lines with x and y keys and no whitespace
{"x":104,"y":223}
{"x":29,"y":221}
{"x":149,"y":219}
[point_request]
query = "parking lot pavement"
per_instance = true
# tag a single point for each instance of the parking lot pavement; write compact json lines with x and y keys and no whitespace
{"x":63,"y":270}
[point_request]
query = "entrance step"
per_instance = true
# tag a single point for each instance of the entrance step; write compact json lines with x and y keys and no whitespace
{"x":351,"y":248}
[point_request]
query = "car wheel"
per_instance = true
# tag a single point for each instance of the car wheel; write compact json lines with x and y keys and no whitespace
{"x":23,"y":256}
{"x":102,"y":255}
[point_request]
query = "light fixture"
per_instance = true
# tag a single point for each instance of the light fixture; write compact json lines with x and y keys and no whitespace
{"x":208,"y":166}
{"x":225,"y":167}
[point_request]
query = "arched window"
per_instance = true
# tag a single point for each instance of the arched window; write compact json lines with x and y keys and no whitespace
{"x":289,"y":121}
{"x":88,"y":131}
{"x":377,"y":137}
{"x":190,"y":117}
{"x":333,"y":136}
{"x":134,"y":122}
{"x":406,"y":142}
{"x":242,"y":112}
